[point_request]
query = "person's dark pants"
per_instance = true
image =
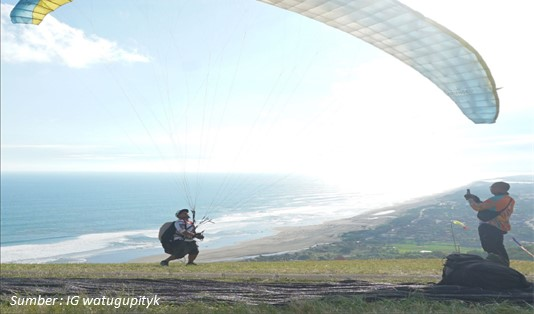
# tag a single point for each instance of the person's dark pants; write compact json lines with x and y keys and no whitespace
{"x":181,"y":248}
{"x":492,"y":241}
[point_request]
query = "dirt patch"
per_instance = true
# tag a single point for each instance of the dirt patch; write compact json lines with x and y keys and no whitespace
{"x":175,"y":291}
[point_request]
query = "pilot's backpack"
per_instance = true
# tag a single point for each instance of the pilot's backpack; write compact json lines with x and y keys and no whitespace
{"x":166,"y":235}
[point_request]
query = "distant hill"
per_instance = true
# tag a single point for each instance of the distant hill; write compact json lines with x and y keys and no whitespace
{"x":427,"y":231}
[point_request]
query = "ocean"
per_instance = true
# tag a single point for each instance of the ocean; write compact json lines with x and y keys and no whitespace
{"x":115,"y":217}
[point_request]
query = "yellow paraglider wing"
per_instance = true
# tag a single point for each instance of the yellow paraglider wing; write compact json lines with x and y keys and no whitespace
{"x":34,"y":11}
{"x":431,"y":49}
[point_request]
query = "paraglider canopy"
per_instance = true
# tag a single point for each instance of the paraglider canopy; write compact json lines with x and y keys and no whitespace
{"x":34,"y":11}
{"x":428,"y":47}
{"x":440,"y":55}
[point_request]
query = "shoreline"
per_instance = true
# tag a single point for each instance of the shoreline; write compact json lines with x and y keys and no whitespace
{"x":292,"y":239}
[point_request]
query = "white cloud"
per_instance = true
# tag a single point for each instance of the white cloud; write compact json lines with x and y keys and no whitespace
{"x":54,"y":41}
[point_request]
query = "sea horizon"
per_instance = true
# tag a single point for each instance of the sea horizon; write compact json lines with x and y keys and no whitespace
{"x":115,"y":217}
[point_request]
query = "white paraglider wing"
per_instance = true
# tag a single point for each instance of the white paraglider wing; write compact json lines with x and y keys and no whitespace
{"x":431,"y":49}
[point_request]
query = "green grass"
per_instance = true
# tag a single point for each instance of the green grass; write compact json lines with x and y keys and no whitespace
{"x":409,"y":268}
{"x":316,"y":270}
{"x":403,"y":270}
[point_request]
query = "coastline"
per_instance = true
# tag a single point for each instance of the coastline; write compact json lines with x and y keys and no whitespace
{"x":301,"y":238}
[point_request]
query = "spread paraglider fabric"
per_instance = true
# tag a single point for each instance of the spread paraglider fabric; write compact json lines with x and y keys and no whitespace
{"x":34,"y":11}
{"x":431,"y":49}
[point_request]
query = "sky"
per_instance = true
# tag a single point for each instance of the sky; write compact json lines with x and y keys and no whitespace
{"x":238,"y":85}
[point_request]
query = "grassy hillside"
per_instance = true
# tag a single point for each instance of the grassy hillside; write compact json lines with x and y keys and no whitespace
{"x":387,"y":270}
{"x":232,"y":279}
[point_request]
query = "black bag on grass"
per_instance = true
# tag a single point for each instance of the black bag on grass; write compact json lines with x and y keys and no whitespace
{"x":473,"y":271}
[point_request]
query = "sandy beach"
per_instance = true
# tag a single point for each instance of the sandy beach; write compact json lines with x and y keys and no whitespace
{"x":294,"y":239}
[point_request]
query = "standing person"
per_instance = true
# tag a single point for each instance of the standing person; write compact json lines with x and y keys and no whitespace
{"x":184,"y":239}
{"x":494,"y":215}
